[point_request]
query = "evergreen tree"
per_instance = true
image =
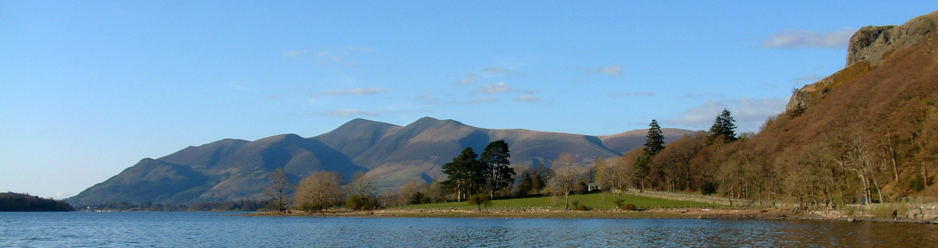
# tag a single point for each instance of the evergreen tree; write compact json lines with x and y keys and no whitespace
{"x":654,"y":141}
{"x":724,"y":126}
{"x":642,"y":170}
{"x":463,"y":174}
{"x":495,"y":163}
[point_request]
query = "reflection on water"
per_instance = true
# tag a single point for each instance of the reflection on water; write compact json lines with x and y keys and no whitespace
{"x":187,"y":229}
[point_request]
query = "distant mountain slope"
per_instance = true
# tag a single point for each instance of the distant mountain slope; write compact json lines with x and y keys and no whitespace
{"x":232,"y":169}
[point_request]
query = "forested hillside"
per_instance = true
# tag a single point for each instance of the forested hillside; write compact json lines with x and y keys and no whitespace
{"x":868,"y":133}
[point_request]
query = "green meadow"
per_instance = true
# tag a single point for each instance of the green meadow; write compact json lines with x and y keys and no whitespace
{"x":593,"y":201}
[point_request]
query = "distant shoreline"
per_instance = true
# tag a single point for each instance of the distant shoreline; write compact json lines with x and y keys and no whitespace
{"x":692,"y":213}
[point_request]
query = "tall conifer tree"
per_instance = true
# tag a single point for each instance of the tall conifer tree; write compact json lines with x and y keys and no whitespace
{"x":654,"y":141}
{"x":725,"y":126}
{"x":495,"y":163}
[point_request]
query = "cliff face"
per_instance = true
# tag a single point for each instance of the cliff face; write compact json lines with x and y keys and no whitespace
{"x":868,"y":47}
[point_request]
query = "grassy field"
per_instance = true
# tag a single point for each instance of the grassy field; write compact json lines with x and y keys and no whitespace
{"x":593,"y":201}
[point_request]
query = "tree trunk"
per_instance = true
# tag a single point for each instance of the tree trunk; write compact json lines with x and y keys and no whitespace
{"x":866,"y":186}
{"x":566,"y":196}
{"x":878,"y":191}
{"x":925,"y":174}
{"x":895,"y":169}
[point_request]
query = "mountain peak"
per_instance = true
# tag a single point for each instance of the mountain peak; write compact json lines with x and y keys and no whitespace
{"x":427,"y":121}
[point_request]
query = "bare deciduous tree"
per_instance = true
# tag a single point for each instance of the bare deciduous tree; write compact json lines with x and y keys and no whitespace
{"x":361,"y":190}
{"x":319,"y":190}
{"x":567,"y":175}
{"x":412,"y":192}
{"x":614,"y":175}
{"x":279,"y":189}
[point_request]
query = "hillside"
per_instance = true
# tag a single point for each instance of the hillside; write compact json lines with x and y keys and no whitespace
{"x":232,"y":169}
{"x":15,"y":202}
{"x":869,"y":130}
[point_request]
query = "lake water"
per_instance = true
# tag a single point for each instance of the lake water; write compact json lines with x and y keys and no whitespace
{"x":207,"y":229}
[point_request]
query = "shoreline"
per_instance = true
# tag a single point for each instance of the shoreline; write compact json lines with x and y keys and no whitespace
{"x":691,"y":213}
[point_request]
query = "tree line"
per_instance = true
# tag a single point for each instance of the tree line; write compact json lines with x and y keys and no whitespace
{"x":10,"y":201}
{"x":844,"y":165}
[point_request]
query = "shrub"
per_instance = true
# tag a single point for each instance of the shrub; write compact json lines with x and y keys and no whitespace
{"x":708,"y":188}
{"x":917,"y":183}
{"x":311,"y":207}
{"x":480,"y":200}
{"x":356,"y":202}
{"x":629,"y":207}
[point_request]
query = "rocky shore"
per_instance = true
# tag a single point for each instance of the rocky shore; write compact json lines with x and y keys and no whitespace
{"x":690,"y":213}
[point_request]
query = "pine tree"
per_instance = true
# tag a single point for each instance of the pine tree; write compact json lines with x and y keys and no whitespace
{"x":654,"y":141}
{"x":462,"y":174}
{"x":724,"y":126}
{"x":494,"y":161}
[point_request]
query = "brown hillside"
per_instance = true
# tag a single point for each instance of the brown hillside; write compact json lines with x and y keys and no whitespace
{"x":891,"y":108}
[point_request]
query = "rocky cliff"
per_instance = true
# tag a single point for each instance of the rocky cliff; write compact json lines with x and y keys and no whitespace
{"x":868,"y":47}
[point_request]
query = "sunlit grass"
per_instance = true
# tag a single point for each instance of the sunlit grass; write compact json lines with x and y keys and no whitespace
{"x":593,"y":201}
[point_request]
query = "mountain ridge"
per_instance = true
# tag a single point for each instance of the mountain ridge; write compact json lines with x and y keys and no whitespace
{"x":234,"y":169}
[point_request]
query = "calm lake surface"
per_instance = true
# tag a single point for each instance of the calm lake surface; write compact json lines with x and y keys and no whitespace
{"x":206,"y":229}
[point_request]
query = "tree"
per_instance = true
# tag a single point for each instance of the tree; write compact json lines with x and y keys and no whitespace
{"x":279,"y":189}
{"x":614,"y":175}
{"x":674,"y":164}
{"x":539,"y":176}
{"x":525,"y":184}
{"x":436,"y":192}
{"x":495,"y":163}
{"x":724,"y":126}
{"x":463,"y":174}
{"x":480,"y":200}
{"x":412,"y":192}
{"x":641,"y":170}
{"x":566,"y":178}
{"x":852,"y":152}
{"x":361,"y":190}
{"x":654,"y":141}
{"x":319,"y":190}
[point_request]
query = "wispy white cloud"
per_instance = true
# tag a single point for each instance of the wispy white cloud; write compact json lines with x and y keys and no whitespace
{"x":428,"y":99}
{"x":498,"y":70}
{"x":329,"y":56}
{"x":748,"y":113}
{"x":295,"y":53}
{"x":528,"y":99}
{"x":348,"y":112}
{"x":492,"y":89}
{"x":630,"y":94}
{"x":704,"y":95}
{"x":468,"y":80}
{"x":792,"y":39}
{"x":613,"y":70}
{"x":487,"y":99}
{"x":353,"y":91}
{"x":361,"y":49}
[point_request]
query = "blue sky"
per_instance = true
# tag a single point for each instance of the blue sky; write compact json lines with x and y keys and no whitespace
{"x":88,"y":88}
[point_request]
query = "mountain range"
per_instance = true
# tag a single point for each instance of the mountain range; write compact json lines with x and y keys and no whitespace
{"x":233,"y":169}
